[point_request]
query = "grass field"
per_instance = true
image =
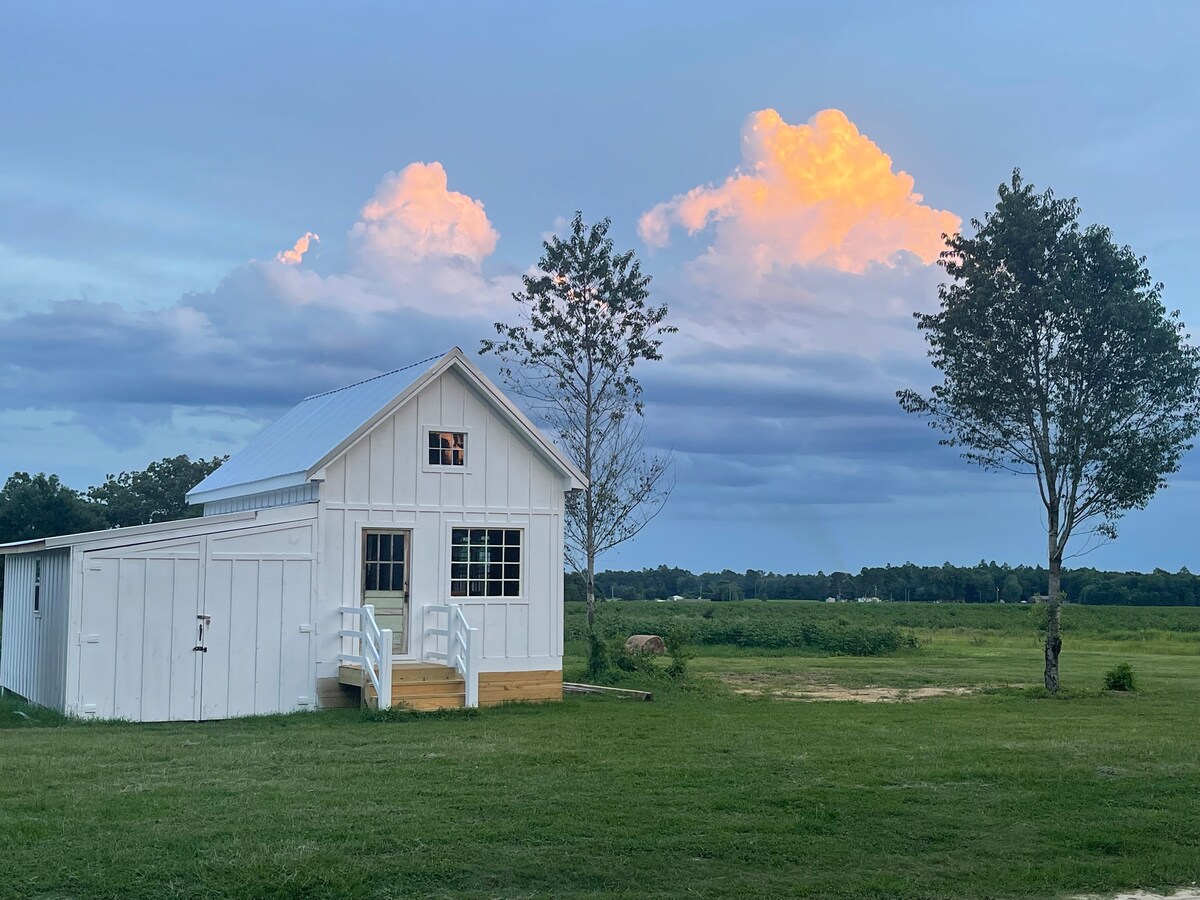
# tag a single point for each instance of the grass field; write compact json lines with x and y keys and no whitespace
{"x":705,"y":792}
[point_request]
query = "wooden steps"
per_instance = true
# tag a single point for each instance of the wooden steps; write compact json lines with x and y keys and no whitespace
{"x":428,"y":686}
{"x":421,"y":686}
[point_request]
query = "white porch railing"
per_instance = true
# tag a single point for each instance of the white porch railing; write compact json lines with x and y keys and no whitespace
{"x":374,"y":650}
{"x":463,"y":648}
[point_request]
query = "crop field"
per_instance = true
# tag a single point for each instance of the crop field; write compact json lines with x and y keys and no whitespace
{"x":938,"y":769}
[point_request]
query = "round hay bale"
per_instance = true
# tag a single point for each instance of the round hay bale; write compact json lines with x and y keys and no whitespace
{"x":645,"y":643}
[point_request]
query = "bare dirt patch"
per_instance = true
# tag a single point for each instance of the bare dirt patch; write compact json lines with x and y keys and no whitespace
{"x":1183,"y":894}
{"x":787,"y":688}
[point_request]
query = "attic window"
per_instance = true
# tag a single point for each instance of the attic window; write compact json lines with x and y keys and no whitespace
{"x":447,"y":448}
{"x":37,"y":587}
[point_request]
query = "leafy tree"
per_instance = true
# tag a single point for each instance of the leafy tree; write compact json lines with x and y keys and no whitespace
{"x":584,"y":326}
{"x":154,"y":495}
{"x":726,"y":589}
{"x":1011,"y":590}
{"x":35,"y":506}
{"x":1059,"y":361}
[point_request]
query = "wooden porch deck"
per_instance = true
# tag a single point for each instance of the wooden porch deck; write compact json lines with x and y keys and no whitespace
{"x":428,"y":686}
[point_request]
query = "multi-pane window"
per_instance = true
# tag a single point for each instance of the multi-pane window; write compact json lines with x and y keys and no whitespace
{"x":37,"y":587}
{"x":384,"y":560}
{"x":485,"y":562}
{"x":447,"y":448}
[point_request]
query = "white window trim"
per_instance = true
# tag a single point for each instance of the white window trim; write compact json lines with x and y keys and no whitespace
{"x":448,"y":543}
{"x":423,"y":449}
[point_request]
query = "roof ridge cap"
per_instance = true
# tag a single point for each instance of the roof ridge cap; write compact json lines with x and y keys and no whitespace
{"x":346,"y":387}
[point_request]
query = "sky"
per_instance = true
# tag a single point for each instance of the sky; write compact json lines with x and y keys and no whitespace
{"x":208,"y":214}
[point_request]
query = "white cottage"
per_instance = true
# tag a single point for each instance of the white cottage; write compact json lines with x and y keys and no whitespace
{"x":396,"y":540}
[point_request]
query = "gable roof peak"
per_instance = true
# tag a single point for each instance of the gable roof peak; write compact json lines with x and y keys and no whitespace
{"x":322,"y":426}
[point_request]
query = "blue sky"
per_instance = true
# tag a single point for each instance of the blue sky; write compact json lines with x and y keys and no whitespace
{"x":155,"y":160}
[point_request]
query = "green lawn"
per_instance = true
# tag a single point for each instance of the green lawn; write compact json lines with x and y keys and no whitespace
{"x":702,"y":793}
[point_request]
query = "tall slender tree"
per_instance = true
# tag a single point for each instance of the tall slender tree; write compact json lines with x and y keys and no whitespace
{"x":1059,"y":361}
{"x":584,"y":324}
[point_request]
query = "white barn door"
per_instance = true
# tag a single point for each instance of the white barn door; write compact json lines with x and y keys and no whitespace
{"x":207,"y":628}
{"x":138,"y":631}
{"x":258,"y":590}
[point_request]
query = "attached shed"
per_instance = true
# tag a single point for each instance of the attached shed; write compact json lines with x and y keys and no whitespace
{"x":398,"y":540}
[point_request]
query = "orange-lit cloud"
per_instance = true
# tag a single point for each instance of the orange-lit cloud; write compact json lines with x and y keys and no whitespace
{"x":294,"y":256}
{"x":414,"y":217}
{"x":819,"y":193}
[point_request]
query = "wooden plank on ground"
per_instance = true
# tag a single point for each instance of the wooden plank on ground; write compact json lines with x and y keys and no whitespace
{"x":570,"y":687}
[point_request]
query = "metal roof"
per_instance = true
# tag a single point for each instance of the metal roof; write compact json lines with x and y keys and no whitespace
{"x":307,"y":433}
{"x":287,"y":452}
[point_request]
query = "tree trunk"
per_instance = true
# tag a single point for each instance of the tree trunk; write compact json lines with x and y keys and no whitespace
{"x":1053,"y":623}
{"x":591,"y":591}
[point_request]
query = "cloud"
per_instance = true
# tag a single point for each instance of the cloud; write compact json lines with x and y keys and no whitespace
{"x":270,"y":331}
{"x":295,"y":256}
{"x":414,"y":217}
{"x":796,"y":327}
{"x":815,"y":194}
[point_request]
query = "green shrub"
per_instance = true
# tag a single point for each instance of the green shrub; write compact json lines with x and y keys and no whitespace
{"x":678,"y":643}
{"x":1119,"y":679}
{"x":748,"y":625}
{"x":599,"y":659}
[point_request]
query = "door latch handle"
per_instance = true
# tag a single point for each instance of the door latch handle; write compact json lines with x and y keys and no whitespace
{"x":204,"y":620}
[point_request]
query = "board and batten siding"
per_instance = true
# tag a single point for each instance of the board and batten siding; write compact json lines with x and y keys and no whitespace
{"x":138,"y":623}
{"x":383,"y":481}
{"x":33,"y":648}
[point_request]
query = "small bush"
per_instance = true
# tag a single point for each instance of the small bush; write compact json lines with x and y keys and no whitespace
{"x":1119,"y":679}
{"x":678,"y":642}
{"x":631,"y":660}
{"x":599,"y":656}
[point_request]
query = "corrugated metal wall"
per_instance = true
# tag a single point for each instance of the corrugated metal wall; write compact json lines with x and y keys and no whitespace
{"x":306,"y":493}
{"x":33,"y":648}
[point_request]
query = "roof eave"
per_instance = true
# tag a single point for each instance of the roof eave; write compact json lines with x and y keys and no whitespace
{"x":245,"y":489}
{"x":15,"y":547}
{"x":121,"y":535}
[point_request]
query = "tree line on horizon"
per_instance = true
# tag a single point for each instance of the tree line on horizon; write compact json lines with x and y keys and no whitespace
{"x":986,"y":582}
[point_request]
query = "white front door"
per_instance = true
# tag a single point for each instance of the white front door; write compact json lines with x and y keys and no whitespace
{"x":385,"y":582}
